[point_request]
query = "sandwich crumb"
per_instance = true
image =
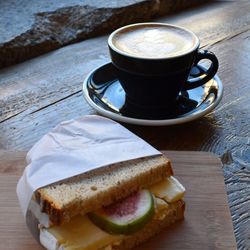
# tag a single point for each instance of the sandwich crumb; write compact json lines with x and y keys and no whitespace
{"x":116,"y":243}
{"x":93,"y":188}
{"x":108,"y":247}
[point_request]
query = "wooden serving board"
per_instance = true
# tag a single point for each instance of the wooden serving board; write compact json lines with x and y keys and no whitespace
{"x":207,"y":223}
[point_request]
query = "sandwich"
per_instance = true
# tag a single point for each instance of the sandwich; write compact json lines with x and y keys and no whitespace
{"x":115,"y":207}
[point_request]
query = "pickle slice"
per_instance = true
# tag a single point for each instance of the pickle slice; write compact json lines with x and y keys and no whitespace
{"x":126,"y":216}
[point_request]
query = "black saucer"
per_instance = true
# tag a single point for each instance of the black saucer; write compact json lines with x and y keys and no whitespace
{"x":104,"y":93}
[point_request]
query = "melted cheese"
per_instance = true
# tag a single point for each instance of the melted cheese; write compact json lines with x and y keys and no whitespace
{"x":81,"y":234}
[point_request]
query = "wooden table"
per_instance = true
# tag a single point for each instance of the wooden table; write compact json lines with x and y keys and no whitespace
{"x":38,"y":94}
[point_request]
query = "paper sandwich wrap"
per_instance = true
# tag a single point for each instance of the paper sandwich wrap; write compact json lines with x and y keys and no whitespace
{"x":73,"y":148}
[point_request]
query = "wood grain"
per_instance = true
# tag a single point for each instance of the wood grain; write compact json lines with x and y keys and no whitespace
{"x":43,"y":81}
{"x":38,"y":94}
{"x":207,"y":223}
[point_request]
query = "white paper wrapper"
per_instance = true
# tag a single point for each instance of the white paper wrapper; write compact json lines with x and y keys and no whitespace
{"x":75,"y":147}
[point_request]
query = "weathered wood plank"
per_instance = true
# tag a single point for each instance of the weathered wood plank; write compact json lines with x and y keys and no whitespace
{"x":56,"y":75}
{"x":48,"y":78}
{"x":210,"y":129}
{"x":24,"y":130}
{"x":225,"y":131}
{"x":37,"y":95}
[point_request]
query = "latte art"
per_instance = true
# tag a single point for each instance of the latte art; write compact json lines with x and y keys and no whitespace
{"x":153,"y":41}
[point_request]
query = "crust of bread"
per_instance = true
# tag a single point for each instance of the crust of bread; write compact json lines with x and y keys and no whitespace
{"x":89,"y":191}
{"x":175,"y":212}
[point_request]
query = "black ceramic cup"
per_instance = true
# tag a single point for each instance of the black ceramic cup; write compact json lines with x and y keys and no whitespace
{"x":153,"y":61}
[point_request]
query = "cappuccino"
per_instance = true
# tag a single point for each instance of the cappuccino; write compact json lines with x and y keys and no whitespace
{"x":154,"y":41}
{"x":152,"y":62}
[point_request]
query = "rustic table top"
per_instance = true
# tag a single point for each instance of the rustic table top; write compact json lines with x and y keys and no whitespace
{"x":38,"y":94}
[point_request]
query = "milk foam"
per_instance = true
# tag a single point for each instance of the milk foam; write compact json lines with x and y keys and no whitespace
{"x":154,"y":41}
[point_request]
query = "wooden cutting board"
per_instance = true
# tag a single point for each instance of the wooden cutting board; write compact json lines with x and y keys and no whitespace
{"x":207,"y":223}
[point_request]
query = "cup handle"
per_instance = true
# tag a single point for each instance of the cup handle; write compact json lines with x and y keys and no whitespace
{"x":209,"y":73}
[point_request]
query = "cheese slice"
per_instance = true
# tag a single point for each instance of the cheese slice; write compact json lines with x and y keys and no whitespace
{"x":170,"y":190}
{"x":43,"y":218}
{"x":81,"y":234}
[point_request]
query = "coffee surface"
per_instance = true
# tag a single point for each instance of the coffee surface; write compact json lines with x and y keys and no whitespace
{"x":154,"y":41}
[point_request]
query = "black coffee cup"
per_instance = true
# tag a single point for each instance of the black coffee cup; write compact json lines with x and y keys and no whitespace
{"x":153,"y":61}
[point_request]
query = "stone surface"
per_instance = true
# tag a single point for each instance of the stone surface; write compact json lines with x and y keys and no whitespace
{"x":31,"y":28}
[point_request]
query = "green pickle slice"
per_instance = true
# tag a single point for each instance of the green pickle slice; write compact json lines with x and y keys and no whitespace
{"x":126,"y":216}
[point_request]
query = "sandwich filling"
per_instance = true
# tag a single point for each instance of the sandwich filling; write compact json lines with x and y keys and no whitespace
{"x":108,"y":226}
{"x":126,"y":216}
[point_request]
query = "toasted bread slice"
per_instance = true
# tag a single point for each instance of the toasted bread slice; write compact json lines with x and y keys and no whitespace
{"x":89,"y":191}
